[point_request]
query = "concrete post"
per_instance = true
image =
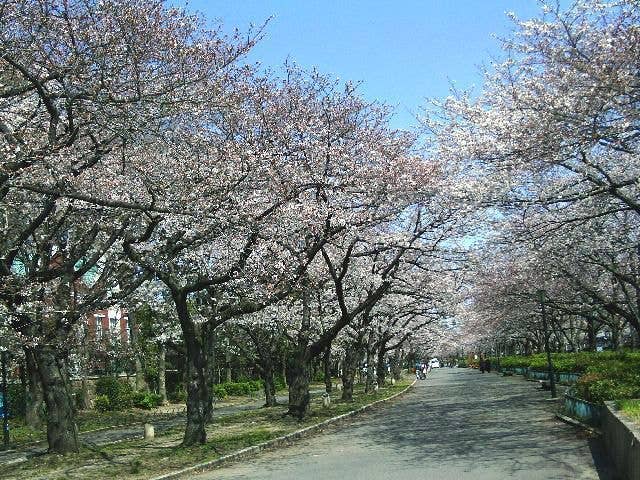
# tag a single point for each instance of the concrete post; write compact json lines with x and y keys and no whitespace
{"x":149,"y":432}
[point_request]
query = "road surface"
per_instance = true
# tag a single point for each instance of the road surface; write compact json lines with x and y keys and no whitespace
{"x":456,"y":425}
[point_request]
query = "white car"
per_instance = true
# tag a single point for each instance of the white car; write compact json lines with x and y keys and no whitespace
{"x":434,"y":363}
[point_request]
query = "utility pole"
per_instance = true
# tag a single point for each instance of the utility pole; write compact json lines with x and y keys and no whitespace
{"x":545,"y":330}
{"x":5,"y":400}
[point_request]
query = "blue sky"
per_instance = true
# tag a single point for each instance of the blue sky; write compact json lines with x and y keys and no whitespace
{"x":402,"y":51}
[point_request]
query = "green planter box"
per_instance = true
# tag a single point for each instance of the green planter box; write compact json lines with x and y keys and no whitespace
{"x":587,"y":412}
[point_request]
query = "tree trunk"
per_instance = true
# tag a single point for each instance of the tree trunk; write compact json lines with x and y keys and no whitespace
{"x":381,"y":368}
{"x":300,"y":365}
{"x":267,"y":374}
{"x":199,"y":385}
{"x":350,"y":367}
{"x":162,"y":372}
{"x":370,"y":378}
{"x":591,"y":335}
{"x":227,"y":357}
{"x":299,"y":377}
{"x":34,"y":399}
{"x":326,"y":364}
{"x":62,"y":432}
{"x":141,"y":383}
{"x":397,"y":361}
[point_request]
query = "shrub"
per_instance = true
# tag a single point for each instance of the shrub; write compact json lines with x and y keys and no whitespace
{"x":237,"y":389}
{"x":16,"y":401}
{"x":146,"y":400}
{"x":179,"y":395}
{"x":80,"y":397}
{"x":514,"y":361}
{"x":219,"y":391}
{"x":614,"y":379}
{"x":120,"y":394}
{"x":279,"y":382}
{"x":102,"y":403}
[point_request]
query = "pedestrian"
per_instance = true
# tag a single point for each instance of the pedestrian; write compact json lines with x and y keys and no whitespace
{"x":425,"y":370}
{"x":482,"y":365}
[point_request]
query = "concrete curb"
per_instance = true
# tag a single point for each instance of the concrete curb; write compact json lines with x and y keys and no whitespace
{"x":577,"y":423}
{"x":276,"y":442}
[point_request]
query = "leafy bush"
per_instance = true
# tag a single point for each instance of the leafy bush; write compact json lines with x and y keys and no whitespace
{"x":79,"y":396}
{"x":102,"y":403}
{"x":462,"y":363}
{"x":146,"y":400}
{"x":237,"y":389}
{"x":279,"y":382}
{"x":120,"y":394}
{"x":179,"y":395}
{"x":17,"y":402}
{"x":604,"y":375}
{"x":610,"y":380}
{"x":514,"y":361}
{"x":219,"y":391}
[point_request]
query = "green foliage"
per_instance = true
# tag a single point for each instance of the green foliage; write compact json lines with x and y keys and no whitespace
{"x":102,"y":403}
{"x":614,"y":379}
{"x":514,"y":361}
{"x":237,"y":389}
{"x":462,"y":363}
{"x":79,"y":395}
{"x":630,"y":408}
{"x":179,"y":395}
{"x":578,"y":362}
{"x":17,"y":402}
{"x":146,"y":400}
{"x":120,"y":394}
{"x":219,"y":391}
{"x":604,"y":375}
{"x":279,"y":382}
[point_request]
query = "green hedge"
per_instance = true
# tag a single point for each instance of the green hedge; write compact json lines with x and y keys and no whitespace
{"x":236,"y":389}
{"x":616,"y":379}
{"x":604,"y":375}
{"x":578,"y":362}
{"x":146,"y":400}
{"x":113,"y":395}
{"x":120,"y":394}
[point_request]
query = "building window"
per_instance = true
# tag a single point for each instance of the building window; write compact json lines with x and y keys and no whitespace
{"x":99,"y":318}
{"x":113,"y":325}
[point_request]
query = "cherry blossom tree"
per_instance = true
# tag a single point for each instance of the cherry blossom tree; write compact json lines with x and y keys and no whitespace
{"x":83,"y":85}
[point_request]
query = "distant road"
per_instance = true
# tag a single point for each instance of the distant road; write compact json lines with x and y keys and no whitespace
{"x":456,"y":425}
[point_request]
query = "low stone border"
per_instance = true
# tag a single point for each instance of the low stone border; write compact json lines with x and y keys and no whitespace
{"x":577,"y":423}
{"x":276,"y":442}
{"x":622,"y":441}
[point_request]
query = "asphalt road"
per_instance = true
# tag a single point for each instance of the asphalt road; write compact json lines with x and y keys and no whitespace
{"x":456,"y":425}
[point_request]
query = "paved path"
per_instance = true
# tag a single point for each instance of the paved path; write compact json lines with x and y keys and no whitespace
{"x":456,"y":425}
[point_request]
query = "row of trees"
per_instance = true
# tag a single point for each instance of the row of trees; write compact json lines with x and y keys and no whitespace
{"x":552,"y":142}
{"x":144,"y":164}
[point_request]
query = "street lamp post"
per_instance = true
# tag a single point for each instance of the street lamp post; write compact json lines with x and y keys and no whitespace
{"x":545,"y":329}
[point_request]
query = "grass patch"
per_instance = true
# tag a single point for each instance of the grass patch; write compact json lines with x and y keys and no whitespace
{"x":88,"y":420}
{"x":137,"y":459}
{"x":631,"y":408}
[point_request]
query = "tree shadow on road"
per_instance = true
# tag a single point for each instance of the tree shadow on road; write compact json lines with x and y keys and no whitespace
{"x":478,"y":421}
